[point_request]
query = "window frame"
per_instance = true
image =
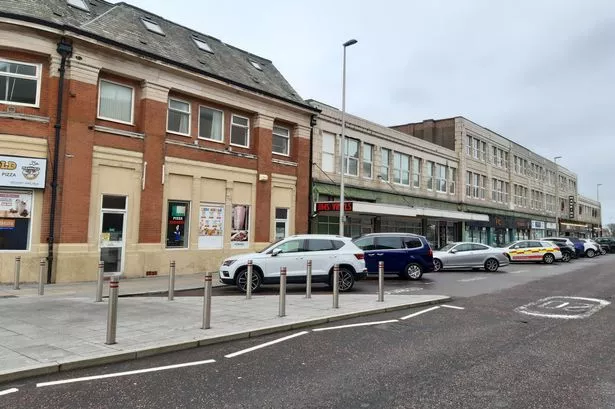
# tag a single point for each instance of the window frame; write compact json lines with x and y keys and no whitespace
{"x":401,"y":169}
{"x":327,"y":153}
{"x":347,"y":157}
{"x":419,"y":173}
{"x":132,"y":104}
{"x":386,"y":166}
{"x":38,"y":78}
{"x":81,"y":6}
{"x":247,"y":127}
{"x":287,"y":154}
{"x":364,"y":162}
{"x":187,"y":224}
{"x":198,"y":132}
{"x":175,"y":110}
{"x":440,"y":178}
{"x":430,"y":167}
{"x":276,"y":220}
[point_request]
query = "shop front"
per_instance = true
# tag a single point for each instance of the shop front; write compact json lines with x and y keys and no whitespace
{"x":538,"y":229}
{"x":550,"y":229}
{"x":574,"y":228}
{"x":498,"y":231}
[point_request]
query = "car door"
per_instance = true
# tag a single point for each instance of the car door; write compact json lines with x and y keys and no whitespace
{"x":369,"y":250}
{"x":460,"y":255}
{"x":535,"y":251}
{"x":479,"y":254}
{"x":291,"y":255}
{"x":390,"y":249}
{"x":323,"y":254}
{"x":517,"y":251}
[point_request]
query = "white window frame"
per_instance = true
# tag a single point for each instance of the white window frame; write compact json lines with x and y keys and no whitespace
{"x":285,"y":221}
{"x":327,"y":153}
{"x":78,"y":4}
{"x":419,"y":173}
{"x":152,"y":26}
{"x":198,"y":131}
{"x":451,"y":174}
{"x":32,"y":207}
{"x":202,"y":44}
{"x":440,"y":177}
{"x":430,"y":170}
{"x":175,"y":110}
{"x":401,"y":171}
{"x":371,"y":161}
{"x":347,"y":157}
{"x":386,"y":165}
{"x":132,"y":105}
{"x":37,"y":78}
{"x":287,"y":137}
{"x":233,"y":116}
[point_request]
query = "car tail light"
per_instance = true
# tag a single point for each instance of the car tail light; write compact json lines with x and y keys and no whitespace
{"x":360,"y":256}
{"x":430,"y":252}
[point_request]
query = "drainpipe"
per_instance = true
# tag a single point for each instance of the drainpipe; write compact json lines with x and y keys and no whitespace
{"x":65,"y":49}
{"x":310,"y":180}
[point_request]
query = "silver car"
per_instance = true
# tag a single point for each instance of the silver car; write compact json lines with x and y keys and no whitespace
{"x":469,"y":255}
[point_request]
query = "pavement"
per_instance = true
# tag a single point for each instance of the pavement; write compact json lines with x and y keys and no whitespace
{"x":65,"y":329}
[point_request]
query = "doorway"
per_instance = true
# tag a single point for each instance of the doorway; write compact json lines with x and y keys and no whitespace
{"x":113,"y":233}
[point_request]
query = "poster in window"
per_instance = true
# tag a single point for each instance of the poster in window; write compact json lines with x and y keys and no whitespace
{"x":177,"y":224}
{"x":15,"y":205}
{"x":240,"y":223}
{"x":211,"y":226}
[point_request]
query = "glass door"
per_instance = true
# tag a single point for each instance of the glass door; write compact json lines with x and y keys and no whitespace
{"x":112,"y":234}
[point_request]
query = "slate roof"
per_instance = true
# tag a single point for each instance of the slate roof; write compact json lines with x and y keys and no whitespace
{"x":120,"y":24}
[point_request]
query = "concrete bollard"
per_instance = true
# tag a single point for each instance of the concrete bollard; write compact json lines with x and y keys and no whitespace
{"x":17,"y":272}
{"x":171,"y":280}
{"x":41,"y":277}
{"x":336,"y":286}
{"x":249,"y":280}
{"x":308,"y":284}
{"x":114,"y":289}
{"x":381,"y":281}
{"x":99,"y":280}
{"x":207,"y":302}
{"x":282,"y":310}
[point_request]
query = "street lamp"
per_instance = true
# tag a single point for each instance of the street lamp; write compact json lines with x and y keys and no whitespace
{"x":557,"y":205}
{"x":599,"y":207}
{"x":343,"y":138}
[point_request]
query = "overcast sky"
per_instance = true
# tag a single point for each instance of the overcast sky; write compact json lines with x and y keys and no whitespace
{"x":539,"y":72}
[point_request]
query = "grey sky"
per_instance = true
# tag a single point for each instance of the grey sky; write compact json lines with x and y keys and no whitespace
{"x":540,"y":72}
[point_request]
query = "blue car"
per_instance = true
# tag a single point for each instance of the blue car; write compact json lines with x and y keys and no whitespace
{"x":405,"y":254}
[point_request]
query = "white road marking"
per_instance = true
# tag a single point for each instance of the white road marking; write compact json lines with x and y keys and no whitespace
{"x":517,"y":272}
{"x":420,"y":312}
{"x":362,"y":324}
{"x":113,"y":375}
{"x":7,"y":391}
{"x":453,"y":307}
{"x":583,"y":307}
{"x":266,"y":344}
{"x":467,"y":280}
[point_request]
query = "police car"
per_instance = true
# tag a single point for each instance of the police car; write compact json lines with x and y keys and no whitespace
{"x":533,"y":250}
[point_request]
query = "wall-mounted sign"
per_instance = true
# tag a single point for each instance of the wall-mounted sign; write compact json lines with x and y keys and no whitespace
{"x":211,"y":226}
{"x":332,"y":207}
{"x":240,"y":224}
{"x":571,"y":207}
{"x":551,"y":226}
{"x":538,"y":225}
{"x":16,"y":171}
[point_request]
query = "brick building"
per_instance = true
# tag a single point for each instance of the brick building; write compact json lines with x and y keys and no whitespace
{"x":172,"y":144}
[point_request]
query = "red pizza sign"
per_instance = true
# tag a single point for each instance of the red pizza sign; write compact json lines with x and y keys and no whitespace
{"x":332,"y":207}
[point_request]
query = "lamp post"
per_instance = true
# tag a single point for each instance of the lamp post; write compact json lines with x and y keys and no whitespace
{"x":599,"y":207}
{"x":343,"y":138}
{"x":557,"y":206}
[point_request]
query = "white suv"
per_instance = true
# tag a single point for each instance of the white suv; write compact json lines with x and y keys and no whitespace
{"x":293,"y":253}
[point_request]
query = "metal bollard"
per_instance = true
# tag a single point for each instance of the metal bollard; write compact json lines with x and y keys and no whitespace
{"x":41,"y":277}
{"x":336,"y":286}
{"x":249,"y":280}
{"x":282,"y":311}
{"x":114,"y":289}
{"x":308,"y":284}
{"x":381,"y":281}
{"x":99,"y":281}
{"x":17,"y":271}
{"x":207,"y":302}
{"x":171,"y":280}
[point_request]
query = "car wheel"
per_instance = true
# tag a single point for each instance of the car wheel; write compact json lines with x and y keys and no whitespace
{"x":242,"y":278}
{"x":548,"y":258}
{"x":602,"y":252}
{"x":492,"y":265}
{"x":437,"y":265}
{"x":413,"y":271}
{"x":590,"y":253}
{"x":566,"y":257}
{"x":346,"y":280}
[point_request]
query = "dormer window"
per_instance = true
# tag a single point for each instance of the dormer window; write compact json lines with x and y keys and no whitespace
{"x":256,"y":65}
{"x":152,"y":26}
{"x":202,"y":45}
{"x":80,"y":4}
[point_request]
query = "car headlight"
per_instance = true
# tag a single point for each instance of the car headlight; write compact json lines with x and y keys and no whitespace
{"x":228,"y":262}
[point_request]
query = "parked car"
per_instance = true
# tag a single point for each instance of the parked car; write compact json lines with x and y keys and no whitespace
{"x":408,"y":255}
{"x":607,"y":243}
{"x":601,"y":250}
{"x":469,"y":255}
{"x":533,"y":250}
{"x":591,"y":249}
{"x":579,"y":248}
{"x":566,"y":247}
{"x":293,"y":252}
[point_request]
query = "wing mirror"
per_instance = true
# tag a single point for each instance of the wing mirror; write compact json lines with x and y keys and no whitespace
{"x":453,"y":251}
{"x":515,"y":247}
{"x":275,"y":252}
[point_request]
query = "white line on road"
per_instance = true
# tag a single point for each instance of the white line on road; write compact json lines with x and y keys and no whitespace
{"x":362,"y":324}
{"x":420,"y":312}
{"x":266,"y":344}
{"x":453,"y":307}
{"x":113,"y":375}
{"x":467,"y":280}
{"x":517,"y":272}
{"x":7,"y":391}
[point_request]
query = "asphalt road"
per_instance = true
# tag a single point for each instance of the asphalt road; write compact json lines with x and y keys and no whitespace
{"x":494,"y":353}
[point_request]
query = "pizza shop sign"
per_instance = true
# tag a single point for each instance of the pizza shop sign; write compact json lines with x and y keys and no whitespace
{"x":17,"y":171}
